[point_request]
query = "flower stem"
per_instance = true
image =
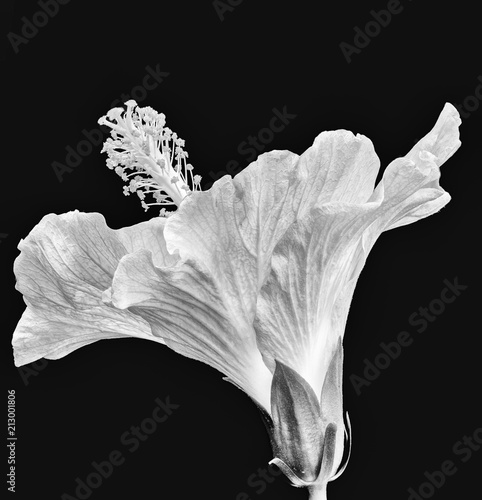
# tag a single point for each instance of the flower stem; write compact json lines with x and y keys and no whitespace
{"x":318,"y":492}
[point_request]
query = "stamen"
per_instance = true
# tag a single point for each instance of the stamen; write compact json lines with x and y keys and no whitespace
{"x":141,"y":145}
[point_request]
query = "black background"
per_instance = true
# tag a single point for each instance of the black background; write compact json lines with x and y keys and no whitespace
{"x":225,"y":77}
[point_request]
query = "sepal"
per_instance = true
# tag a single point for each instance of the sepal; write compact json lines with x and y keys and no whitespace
{"x":297,"y":426}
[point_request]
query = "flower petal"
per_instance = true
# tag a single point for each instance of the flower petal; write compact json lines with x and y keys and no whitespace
{"x":297,"y":321}
{"x":443,"y":140}
{"x":303,"y":306}
{"x":232,"y":229}
{"x":339,"y":167}
{"x":66,"y":262}
{"x":185,"y":307}
{"x":436,"y":147}
{"x":150,"y":236}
